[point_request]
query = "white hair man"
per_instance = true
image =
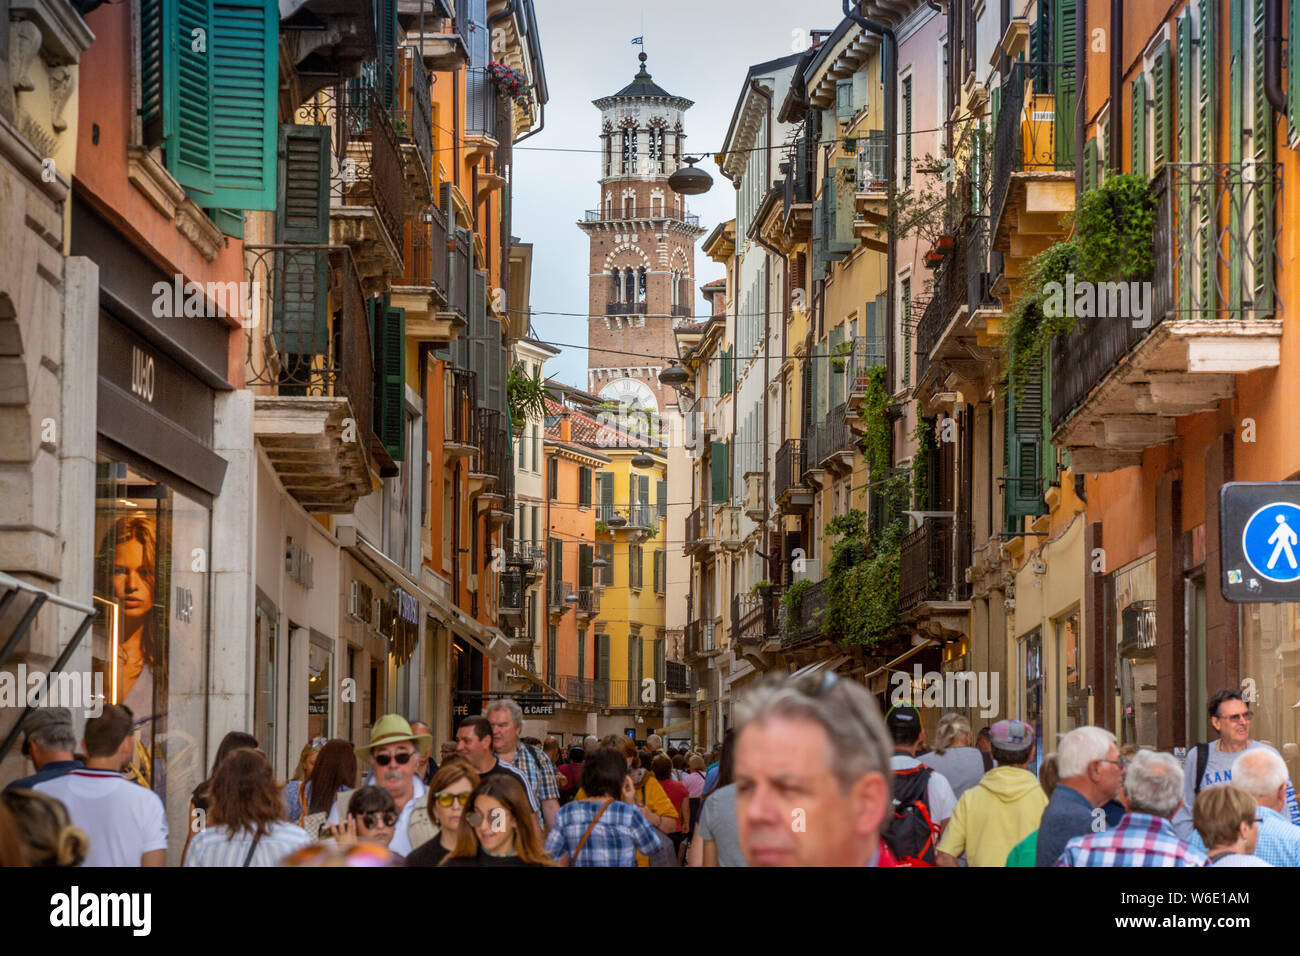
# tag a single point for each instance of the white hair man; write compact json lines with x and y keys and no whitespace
{"x":1090,"y":774}
{"x":507,"y":720}
{"x":1262,"y":774}
{"x":1144,"y":836}
{"x":812,"y":775}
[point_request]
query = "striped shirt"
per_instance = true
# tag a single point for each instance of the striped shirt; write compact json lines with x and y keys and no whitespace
{"x":1139,"y":839}
{"x":214,"y":846}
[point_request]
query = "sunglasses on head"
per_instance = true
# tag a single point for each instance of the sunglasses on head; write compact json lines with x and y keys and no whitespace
{"x":445,"y":799}
{"x":402,"y":758}
{"x":371,"y":820}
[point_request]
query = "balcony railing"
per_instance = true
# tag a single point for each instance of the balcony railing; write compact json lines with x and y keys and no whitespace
{"x":656,"y":211}
{"x":932,"y":564}
{"x":830,"y":438}
{"x":625,"y":308}
{"x":429,"y":264}
{"x":789,"y":466}
{"x":867,"y":354}
{"x":588,"y":600}
{"x":754,"y":617}
{"x":683,"y":311}
{"x":512,"y":593}
{"x":806,"y":625}
{"x":979,"y":274}
{"x":799,"y":169}
{"x":928,"y":330}
{"x":462,"y":424}
{"x":413,"y":117}
{"x":560,"y":592}
{"x":529,"y":555}
{"x":677,"y":677}
{"x":873,"y":166}
{"x":1035,"y":129}
{"x":584,"y":690}
{"x":494,"y":449}
{"x":699,"y":528}
{"x":699,"y":638}
{"x":460,"y":266}
{"x":305,"y":347}
{"x":371,"y":172}
{"x":950,"y":292}
{"x":635,"y":694}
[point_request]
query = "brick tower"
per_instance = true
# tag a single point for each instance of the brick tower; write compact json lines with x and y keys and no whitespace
{"x":642,"y":270}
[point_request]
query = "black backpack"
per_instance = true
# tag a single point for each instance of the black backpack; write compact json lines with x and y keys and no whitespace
{"x":911,"y":834}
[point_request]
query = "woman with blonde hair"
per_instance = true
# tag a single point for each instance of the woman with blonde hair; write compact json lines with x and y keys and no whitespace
{"x":47,"y":835}
{"x":961,"y":764}
{"x":295,"y":787}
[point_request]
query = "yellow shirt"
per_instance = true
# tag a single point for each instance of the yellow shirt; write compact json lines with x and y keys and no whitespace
{"x":993,"y":816}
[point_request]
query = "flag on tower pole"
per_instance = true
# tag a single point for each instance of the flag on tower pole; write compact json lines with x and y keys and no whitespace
{"x":638,"y":41}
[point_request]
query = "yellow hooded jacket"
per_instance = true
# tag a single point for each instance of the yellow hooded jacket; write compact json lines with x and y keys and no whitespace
{"x":993,"y":816}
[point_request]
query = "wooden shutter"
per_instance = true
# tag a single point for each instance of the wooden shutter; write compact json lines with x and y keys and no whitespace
{"x":1138,"y":117}
{"x":557,"y":561}
{"x":643,"y":494}
{"x":154,"y":47}
{"x":1162,"y":97}
{"x":631,"y":566}
{"x":552,"y":478}
{"x":244,"y":51}
{"x":584,"y":565}
{"x":582,"y":653}
{"x":602,"y":657}
{"x":606,"y":495}
{"x":718,"y":471}
{"x":386,"y":34}
{"x":187,"y":95}
{"x":606,"y":550}
{"x":838,"y":369}
{"x":584,"y":486}
{"x":1264,"y":123}
{"x":1292,"y":63}
{"x":390,"y":377}
{"x":658,"y":574}
{"x":1090,"y":164}
{"x":1064,"y":83}
{"x":1207,"y":82}
{"x":302,"y":215}
{"x":1023,"y":436}
{"x":661,"y":498}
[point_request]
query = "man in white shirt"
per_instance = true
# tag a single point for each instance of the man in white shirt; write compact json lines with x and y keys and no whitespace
{"x":904,"y":723}
{"x":126,"y":822}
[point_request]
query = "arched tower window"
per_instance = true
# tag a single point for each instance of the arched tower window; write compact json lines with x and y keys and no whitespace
{"x":640,"y":285}
{"x":629,"y":285}
{"x":617,"y":286}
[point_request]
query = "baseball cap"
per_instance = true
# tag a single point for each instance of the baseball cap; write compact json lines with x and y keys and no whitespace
{"x":44,"y":717}
{"x":902,"y":716}
{"x":1012,"y":735}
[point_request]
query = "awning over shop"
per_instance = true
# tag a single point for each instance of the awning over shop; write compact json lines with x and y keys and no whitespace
{"x":911,"y":652}
{"x":826,"y":664}
{"x":520,"y":671}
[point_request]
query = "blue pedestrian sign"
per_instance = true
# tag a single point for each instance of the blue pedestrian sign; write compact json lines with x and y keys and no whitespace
{"x":1259,"y":541}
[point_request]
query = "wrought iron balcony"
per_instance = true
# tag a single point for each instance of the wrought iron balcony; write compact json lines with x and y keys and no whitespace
{"x":699,"y":638}
{"x":528,"y":555}
{"x":625,"y":308}
{"x":560,"y":594}
{"x":655,"y":211}
{"x":754,"y":617}
{"x":699,"y":529}
{"x":494,"y":457}
{"x":588,"y":601}
{"x":867,"y":354}
{"x":428,"y":264}
{"x":873,"y":167}
{"x":371,"y":171}
{"x":584,"y":691}
{"x":932,"y":564}
{"x":1118,"y":382}
{"x":634,"y":694}
{"x":413,"y":116}
{"x":511,"y":606}
{"x":1035,"y":128}
{"x":461,"y":421}
{"x":831,"y":443}
{"x":677,"y":677}
{"x":792,"y":494}
{"x":804,"y":624}
{"x":683,"y":311}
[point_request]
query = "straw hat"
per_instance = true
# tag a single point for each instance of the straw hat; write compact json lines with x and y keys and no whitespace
{"x":393,"y":729}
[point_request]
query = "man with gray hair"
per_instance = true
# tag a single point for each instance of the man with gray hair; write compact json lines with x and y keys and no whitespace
{"x":49,"y":740}
{"x":812,"y":775}
{"x":507,"y":720}
{"x":1090,"y":774}
{"x":1262,"y":773}
{"x":1153,"y":792}
{"x":590,"y":743}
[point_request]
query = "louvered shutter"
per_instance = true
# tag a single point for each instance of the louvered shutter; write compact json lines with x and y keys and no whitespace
{"x":1023,"y":438}
{"x":301,"y":282}
{"x":1064,"y":83}
{"x":602,"y":657}
{"x":1185,"y":146}
{"x":556,"y":568}
{"x":1162,"y":98}
{"x":584,"y":486}
{"x":390,"y":377}
{"x":658,"y":574}
{"x":1236,"y":136}
{"x":386,"y":34}
{"x":1207,"y":77}
{"x":661,"y":498}
{"x":153,"y":55}
{"x":643,"y":494}
{"x":606,"y":496}
{"x":244,"y":51}
{"x":478,"y":353}
{"x":187,"y":95}
{"x":1262,"y":232}
{"x":718,"y":471}
{"x":807,"y":369}
{"x":837,"y":368}
{"x":584,"y":565}
{"x":1138,"y":118}
{"x":480,"y":104}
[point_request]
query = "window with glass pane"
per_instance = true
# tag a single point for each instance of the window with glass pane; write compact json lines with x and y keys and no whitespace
{"x":1134,"y":615}
{"x":1071,"y":691}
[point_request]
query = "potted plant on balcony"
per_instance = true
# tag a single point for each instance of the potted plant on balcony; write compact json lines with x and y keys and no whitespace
{"x":933,"y":258}
{"x":526,"y":395}
{"x":510,"y":83}
{"x":839,"y":356}
{"x":602,"y":527}
{"x":945,"y":243}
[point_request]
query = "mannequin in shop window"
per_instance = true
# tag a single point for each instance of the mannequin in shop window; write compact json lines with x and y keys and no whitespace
{"x":129,"y":555}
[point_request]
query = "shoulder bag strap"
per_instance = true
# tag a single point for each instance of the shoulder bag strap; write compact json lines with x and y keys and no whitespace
{"x":248,"y":859}
{"x":590,"y":827}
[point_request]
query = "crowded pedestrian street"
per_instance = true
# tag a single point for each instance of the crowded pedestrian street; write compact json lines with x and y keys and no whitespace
{"x":357,"y":356}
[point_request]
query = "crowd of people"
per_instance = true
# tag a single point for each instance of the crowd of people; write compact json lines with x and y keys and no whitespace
{"x":812,"y":775}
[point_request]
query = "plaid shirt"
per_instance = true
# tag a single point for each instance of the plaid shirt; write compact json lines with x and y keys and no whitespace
{"x":537,"y":769}
{"x":1138,"y":840}
{"x":614,"y":840}
{"x":1279,"y":839}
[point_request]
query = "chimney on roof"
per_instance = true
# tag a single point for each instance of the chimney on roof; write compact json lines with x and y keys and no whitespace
{"x":566,"y":426}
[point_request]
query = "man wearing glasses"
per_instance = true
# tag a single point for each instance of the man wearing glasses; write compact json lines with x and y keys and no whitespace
{"x":393,"y":755}
{"x":1211,"y":763}
{"x":474,"y":743}
{"x":1088,"y":762}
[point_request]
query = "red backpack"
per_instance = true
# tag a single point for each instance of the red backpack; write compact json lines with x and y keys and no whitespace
{"x":911,"y":835}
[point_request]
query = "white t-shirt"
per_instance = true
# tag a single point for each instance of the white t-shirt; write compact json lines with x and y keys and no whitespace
{"x":401,"y":842}
{"x":939,"y":797}
{"x":123,"y":819}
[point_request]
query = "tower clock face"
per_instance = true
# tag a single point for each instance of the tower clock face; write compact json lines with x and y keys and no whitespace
{"x":628,"y":391}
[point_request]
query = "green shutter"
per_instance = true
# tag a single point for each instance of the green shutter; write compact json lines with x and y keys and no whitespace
{"x":1264,"y":124}
{"x":302,"y":215}
{"x":1292,"y":65}
{"x":557,"y":563}
{"x":582,"y":653}
{"x":1024,"y":424}
{"x":584,"y":486}
{"x":386,"y":34}
{"x":1090,"y":164}
{"x":584,"y":565}
{"x":244,"y":51}
{"x":1236,"y":120}
{"x":661,"y":498}
{"x":1187,"y":220}
{"x":152,"y":68}
{"x":1207,"y":74}
{"x":606,"y":495}
{"x":1064,"y":82}
{"x":602,"y":657}
{"x":1162,"y":96}
{"x":1138,"y":118}
{"x":390,"y":378}
{"x":187,"y":86}
{"x":659,"y":574}
{"x":718,"y":471}
{"x":836,"y":378}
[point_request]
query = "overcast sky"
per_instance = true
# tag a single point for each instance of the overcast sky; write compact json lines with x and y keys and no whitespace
{"x":699,"y":49}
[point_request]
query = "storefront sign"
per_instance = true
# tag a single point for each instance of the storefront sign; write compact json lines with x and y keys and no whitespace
{"x":299,"y":565}
{"x":1259,"y":541}
{"x":538,"y":710}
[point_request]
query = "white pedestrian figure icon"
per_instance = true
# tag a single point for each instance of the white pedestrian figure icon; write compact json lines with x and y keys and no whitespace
{"x":1285,"y":537}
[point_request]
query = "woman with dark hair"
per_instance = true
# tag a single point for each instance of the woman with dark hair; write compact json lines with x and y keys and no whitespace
{"x":662,"y":768}
{"x":335,"y":770}
{"x":449,"y":792}
{"x":501,"y":829}
{"x":199,"y":803}
{"x":604,"y":828}
{"x":717,"y":840}
{"x":246,"y":825}
{"x":372,"y":815}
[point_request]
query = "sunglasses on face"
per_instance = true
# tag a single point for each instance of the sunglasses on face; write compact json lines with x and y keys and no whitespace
{"x":402,"y":758}
{"x":445,"y":799}
{"x":372,"y":820}
{"x":475,"y":818}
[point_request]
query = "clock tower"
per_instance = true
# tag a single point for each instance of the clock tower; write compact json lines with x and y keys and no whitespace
{"x":642,"y":265}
